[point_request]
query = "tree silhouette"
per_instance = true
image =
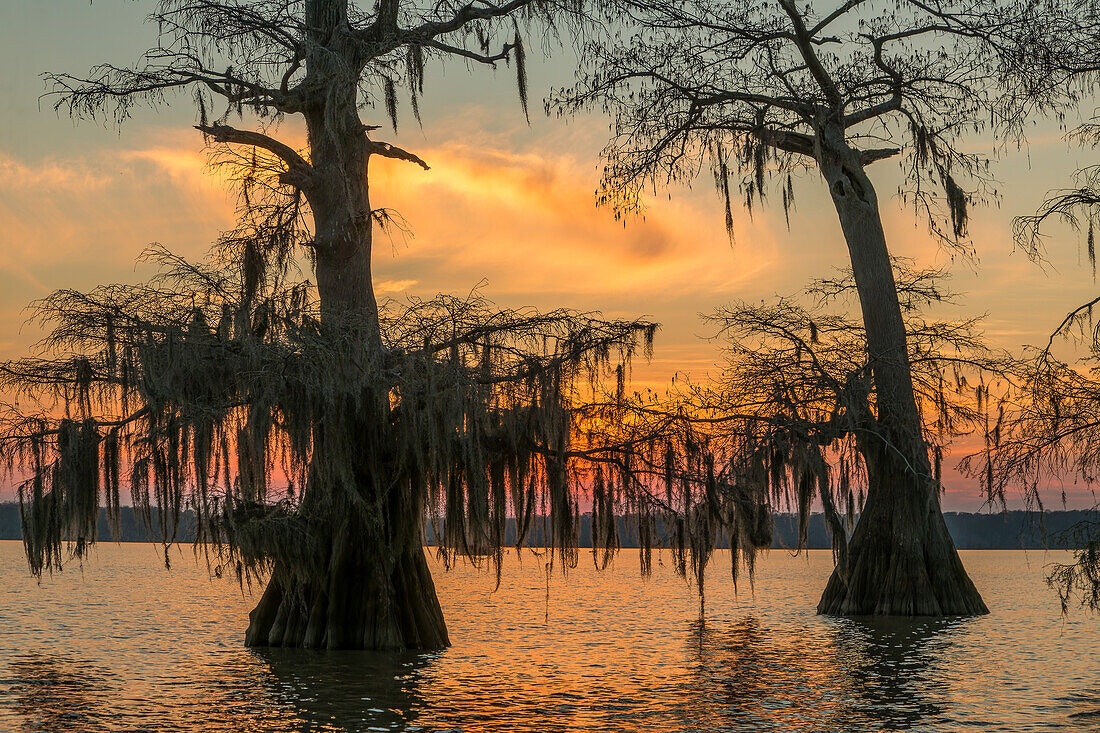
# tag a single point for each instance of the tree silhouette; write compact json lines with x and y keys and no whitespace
{"x":758,"y":90}
{"x":791,"y":417}
{"x":215,"y":382}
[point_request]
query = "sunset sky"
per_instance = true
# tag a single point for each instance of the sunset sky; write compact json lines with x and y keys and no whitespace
{"x":505,"y":201}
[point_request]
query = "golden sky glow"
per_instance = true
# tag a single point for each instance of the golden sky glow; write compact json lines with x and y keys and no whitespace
{"x":505,"y":203}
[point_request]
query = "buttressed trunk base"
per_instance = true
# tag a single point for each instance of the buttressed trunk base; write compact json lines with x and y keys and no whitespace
{"x":365,"y":601}
{"x":358,"y":578}
{"x":901,"y":559}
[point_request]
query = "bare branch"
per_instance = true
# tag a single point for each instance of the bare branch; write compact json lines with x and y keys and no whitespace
{"x":299,"y":171}
{"x":392,"y":151}
{"x":467,"y":14}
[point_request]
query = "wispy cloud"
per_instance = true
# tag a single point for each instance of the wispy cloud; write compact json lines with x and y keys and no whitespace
{"x":528,"y":223}
{"x":394,"y":286}
{"x":520,"y":215}
{"x":101,"y":209}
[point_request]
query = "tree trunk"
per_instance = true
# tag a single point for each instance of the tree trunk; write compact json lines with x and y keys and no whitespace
{"x":358,"y":577}
{"x":360,"y":598}
{"x":901,"y":559}
{"x":367,"y":584}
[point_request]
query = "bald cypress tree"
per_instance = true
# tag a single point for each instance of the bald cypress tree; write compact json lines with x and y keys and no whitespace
{"x":215,"y":383}
{"x":757,"y":91}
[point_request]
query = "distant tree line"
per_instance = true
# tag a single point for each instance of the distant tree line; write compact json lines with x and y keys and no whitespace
{"x":1013,"y":530}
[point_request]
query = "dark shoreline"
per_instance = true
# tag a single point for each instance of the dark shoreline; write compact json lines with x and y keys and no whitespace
{"x":1012,"y":530}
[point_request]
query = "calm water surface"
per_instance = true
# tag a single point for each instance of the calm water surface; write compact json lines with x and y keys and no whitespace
{"x":129,"y":646}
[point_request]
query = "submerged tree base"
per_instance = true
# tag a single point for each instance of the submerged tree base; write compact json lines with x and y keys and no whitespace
{"x":361,"y":605}
{"x":900,"y":564}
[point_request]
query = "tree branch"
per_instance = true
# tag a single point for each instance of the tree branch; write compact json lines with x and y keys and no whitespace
{"x":803,"y":39}
{"x":866,"y":157}
{"x":386,"y":150}
{"x":467,"y":14}
{"x":891,"y":105}
{"x":481,"y":58}
{"x":791,"y":142}
{"x":828,"y":19}
{"x":299,"y":172}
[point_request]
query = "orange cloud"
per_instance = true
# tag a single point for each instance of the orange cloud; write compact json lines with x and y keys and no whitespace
{"x":528,"y":223}
{"x":82,"y":221}
{"x":103,"y":208}
{"x":521,"y":216}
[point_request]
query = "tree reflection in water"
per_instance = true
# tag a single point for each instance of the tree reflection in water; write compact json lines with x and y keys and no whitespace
{"x":270,"y":691}
{"x":54,"y":693}
{"x":346,"y":691}
{"x":847,"y":675}
{"x":860,"y":675}
{"x":893,"y":663}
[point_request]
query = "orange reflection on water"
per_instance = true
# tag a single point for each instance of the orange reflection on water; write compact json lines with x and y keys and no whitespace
{"x":128,"y":646}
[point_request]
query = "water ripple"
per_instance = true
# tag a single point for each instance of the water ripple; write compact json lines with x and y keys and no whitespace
{"x":126,"y":646}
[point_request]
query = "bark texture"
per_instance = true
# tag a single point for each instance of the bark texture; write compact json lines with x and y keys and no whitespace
{"x":900,"y":559}
{"x":359,"y":600}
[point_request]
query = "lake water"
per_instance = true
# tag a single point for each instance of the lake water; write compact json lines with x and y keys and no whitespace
{"x":129,"y":646}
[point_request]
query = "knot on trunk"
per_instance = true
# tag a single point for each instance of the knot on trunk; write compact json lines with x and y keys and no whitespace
{"x":848,"y":185}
